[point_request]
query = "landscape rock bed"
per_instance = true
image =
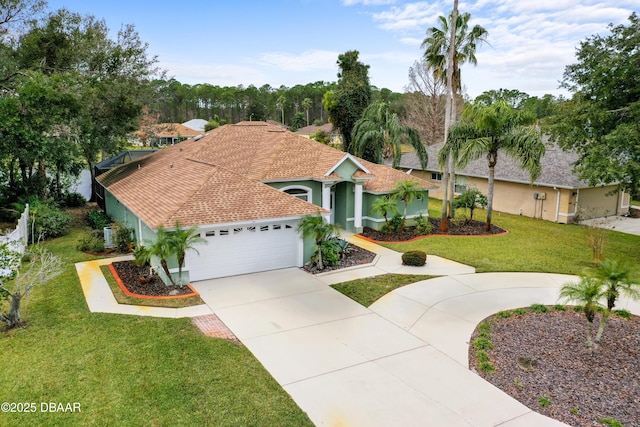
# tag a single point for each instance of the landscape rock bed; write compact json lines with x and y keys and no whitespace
{"x":130,"y":275}
{"x":356,"y":256}
{"x":470,"y":228}
{"x":581,"y":385}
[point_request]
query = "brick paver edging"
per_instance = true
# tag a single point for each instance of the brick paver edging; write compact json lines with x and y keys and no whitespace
{"x":212,"y":326}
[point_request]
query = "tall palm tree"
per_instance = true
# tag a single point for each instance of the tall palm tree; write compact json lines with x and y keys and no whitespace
{"x":407,"y":191}
{"x":587,"y":292}
{"x":446,"y":49}
{"x":486,"y":131}
{"x":384,"y":206}
{"x":616,"y":277}
{"x":182,"y":240}
{"x":306,"y":104}
{"x":316,"y":227}
{"x":378,"y":135}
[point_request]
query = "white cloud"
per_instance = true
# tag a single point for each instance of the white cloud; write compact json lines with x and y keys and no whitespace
{"x":411,"y":16}
{"x":309,"y":60}
{"x":223,"y":75}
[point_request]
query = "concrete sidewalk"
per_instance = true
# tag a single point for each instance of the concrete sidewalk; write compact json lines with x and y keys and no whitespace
{"x":622,"y":224}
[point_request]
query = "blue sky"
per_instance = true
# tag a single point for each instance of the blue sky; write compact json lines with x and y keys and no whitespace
{"x":289,"y":42}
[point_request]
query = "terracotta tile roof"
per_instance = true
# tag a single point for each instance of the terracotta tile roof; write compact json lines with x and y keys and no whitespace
{"x":219,"y":178}
{"x":169,"y":186}
{"x":164,"y":130}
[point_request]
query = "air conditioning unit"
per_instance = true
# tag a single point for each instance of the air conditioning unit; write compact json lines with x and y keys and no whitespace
{"x":108,"y":237}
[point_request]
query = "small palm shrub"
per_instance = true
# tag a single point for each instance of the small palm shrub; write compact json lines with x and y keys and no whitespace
{"x":396,"y":223}
{"x":414,"y":258}
{"x":330,"y":252}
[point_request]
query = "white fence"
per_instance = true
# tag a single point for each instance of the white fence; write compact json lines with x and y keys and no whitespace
{"x":19,"y":237}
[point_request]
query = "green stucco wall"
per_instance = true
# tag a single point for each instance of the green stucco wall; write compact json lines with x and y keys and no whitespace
{"x":316,"y":188}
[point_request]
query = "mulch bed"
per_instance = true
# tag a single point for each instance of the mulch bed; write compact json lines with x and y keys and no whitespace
{"x":130,"y":275}
{"x":469,"y":228}
{"x":582,"y":385}
{"x":357,"y":256}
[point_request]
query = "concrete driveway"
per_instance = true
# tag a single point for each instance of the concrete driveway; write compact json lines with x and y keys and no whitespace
{"x":402,"y":362}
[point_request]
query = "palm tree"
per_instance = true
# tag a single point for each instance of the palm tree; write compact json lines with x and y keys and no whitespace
{"x":182,"y":240}
{"x":486,"y":131}
{"x":378,"y":135}
{"x":384,"y":206}
{"x":316,"y":227}
{"x":587,"y":292}
{"x":407,"y":191}
{"x":617,"y":277}
{"x":161,"y":249}
{"x":446,"y":49}
{"x":306,"y":104}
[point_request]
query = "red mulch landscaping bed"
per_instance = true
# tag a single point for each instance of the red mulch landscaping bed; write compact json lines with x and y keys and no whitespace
{"x":130,"y":275}
{"x":468,"y":228}
{"x":582,"y":385}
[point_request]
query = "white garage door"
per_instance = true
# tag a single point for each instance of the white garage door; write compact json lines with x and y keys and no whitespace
{"x":247,"y":249}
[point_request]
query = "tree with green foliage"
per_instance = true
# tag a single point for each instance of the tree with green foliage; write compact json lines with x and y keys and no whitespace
{"x":183,"y":240}
{"x":601,"y":122}
{"x":617,"y":278}
{"x":407,"y":191}
{"x":384,"y":206}
{"x":471,"y":199}
{"x":320,"y":231}
{"x":307,"y":103}
{"x":378,"y":135}
{"x":487,"y":131}
{"x":446,"y":49}
{"x":351,"y":96}
{"x":587,"y":292}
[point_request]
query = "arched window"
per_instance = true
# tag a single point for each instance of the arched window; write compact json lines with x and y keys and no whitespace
{"x":300,"y":192}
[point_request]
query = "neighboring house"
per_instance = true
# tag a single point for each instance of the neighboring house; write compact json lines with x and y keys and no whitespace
{"x":112,"y":162}
{"x":196,"y":124}
{"x":334,"y":136}
{"x":163,"y":134}
{"x":557,"y":195}
{"x":245,"y":187}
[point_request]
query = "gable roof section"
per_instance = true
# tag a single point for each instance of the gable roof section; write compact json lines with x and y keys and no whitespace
{"x":557,"y":167}
{"x":169,"y":186}
{"x":269,"y":153}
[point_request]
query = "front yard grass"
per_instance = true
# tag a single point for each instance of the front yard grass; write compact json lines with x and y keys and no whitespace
{"x":368,"y":290}
{"x":531,"y":245}
{"x":129,"y":370}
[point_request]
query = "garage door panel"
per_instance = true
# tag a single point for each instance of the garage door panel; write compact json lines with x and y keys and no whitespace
{"x":232,"y":251}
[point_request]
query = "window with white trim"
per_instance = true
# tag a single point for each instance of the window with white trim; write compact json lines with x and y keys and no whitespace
{"x":303,"y":193}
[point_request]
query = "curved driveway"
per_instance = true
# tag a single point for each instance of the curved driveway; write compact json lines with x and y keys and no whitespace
{"x":401,"y":362}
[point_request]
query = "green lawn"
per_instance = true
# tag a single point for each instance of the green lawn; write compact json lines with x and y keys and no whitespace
{"x":368,"y":290}
{"x":129,"y":370}
{"x":531,"y":245}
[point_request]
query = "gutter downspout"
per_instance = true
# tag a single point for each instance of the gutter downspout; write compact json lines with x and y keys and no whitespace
{"x":557,"y":204}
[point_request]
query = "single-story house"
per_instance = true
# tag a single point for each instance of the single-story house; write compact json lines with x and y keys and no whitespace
{"x":335,"y":139}
{"x":557,"y":195}
{"x":196,"y":124}
{"x":163,"y":134}
{"x":245,"y":187}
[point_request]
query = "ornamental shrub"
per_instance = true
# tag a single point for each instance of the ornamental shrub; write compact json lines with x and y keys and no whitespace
{"x":423,"y":226}
{"x":48,"y":221}
{"x":414,"y":258}
{"x":98,"y":220}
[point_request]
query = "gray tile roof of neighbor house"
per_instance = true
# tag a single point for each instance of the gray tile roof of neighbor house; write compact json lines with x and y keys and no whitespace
{"x":557,"y":167}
